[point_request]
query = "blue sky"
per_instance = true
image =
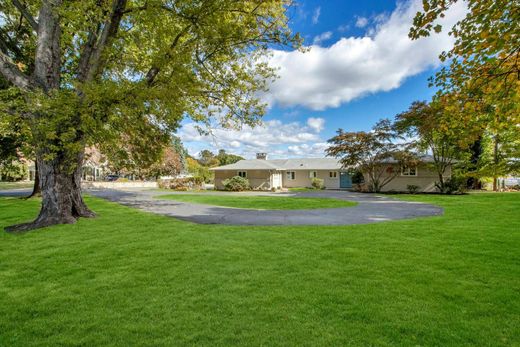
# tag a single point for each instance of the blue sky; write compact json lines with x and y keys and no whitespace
{"x":361,"y":67}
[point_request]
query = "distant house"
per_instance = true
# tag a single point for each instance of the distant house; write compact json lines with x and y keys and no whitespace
{"x":267,"y":174}
{"x":285,"y":173}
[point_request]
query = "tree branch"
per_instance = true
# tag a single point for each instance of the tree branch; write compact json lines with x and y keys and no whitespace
{"x":26,"y":14}
{"x":11,"y":72}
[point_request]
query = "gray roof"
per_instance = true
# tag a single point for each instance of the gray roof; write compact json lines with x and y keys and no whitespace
{"x":283,"y":164}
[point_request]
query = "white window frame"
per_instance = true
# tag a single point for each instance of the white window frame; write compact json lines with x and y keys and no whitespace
{"x":333,"y":174}
{"x":290,"y":175}
{"x":405,"y":171}
{"x":243,"y":176}
{"x":313,"y":174}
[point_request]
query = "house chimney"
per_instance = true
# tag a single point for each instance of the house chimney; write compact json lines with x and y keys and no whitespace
{"x":261,"y":156}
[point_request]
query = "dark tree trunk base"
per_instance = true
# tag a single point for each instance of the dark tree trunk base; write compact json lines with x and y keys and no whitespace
{"x":62,"y":202}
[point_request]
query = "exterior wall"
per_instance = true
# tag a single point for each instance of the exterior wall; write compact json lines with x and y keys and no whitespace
{"x":259,"y":179}
{"x":425,"y":180}
{"x":302,"y":179}
{"x":265,"y":179}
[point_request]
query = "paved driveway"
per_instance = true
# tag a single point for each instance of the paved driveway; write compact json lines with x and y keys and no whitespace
{"x":370,"y":209}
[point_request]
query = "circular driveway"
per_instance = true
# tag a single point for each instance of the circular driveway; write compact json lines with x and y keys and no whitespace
{"x":371,"y":208}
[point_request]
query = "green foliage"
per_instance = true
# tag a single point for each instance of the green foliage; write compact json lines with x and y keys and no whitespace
{"x":13,"y":171}
{"x":128,"y":72}
{"x":357,"y":177}
{"x":236,"y":184}
{"x":317,"y":183}
{"x":412,"y":188}
{"x":453,"y":185}
{"x":193,"y":167}
{"x":227,"y":158}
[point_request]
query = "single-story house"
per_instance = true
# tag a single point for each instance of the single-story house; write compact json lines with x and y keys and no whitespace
{"x":285,"y":173}
{"x":267,"y":174}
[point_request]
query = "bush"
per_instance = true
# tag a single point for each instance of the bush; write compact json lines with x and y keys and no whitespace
{"x":453,"y":185}
{"x":357,"y":177}
{"x":236,"y":184}
{"x":13,"y":171}
{"x":317,"y":183}
{"x":184,"y":183}
{"x":412,"y":188}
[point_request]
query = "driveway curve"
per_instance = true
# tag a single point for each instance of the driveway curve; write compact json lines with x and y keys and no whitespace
{"x":371,"y":208}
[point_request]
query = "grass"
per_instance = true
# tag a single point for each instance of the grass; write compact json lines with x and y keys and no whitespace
{"x":15,"y":185}
{"x":260,"y":202}
{"x":132,"y":278}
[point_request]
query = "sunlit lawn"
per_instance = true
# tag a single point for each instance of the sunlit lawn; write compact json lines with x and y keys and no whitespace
{"x":15,"y":185}
{"x":130,"y":278}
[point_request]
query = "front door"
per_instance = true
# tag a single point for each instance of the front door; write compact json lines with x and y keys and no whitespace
{"x":344,"y":180}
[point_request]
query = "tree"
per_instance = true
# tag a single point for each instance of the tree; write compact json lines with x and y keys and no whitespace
{"x":207,"y":158}
{"x":104,"y":72}
{"x":373,"y":153}
{"x":193,"y":167}
{"x":227,"y":158}
{"x":487,"y":45}
{"x":434,"y":131}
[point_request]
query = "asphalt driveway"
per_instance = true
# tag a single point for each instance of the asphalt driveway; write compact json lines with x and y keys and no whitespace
{"x":370,"y":209}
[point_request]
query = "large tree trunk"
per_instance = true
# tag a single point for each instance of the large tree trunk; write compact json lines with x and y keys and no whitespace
{"x":62,"y":202}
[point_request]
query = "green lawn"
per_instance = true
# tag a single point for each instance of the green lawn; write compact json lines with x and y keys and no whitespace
{"x":260,"y":202}
{"x":15,"y":185}
{"x":132,"y":278}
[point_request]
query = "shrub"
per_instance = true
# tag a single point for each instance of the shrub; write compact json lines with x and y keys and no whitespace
{"x":317,"y":183}
{"x":13,"y":171}
{"x":236,"y":184}
{"x":184,"y":183}
{"x":357,"y":177}
{"x":412,"y":188}
{"x":453,"y":185}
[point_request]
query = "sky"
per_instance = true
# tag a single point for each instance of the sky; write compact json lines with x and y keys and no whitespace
{"x":361,"y":67}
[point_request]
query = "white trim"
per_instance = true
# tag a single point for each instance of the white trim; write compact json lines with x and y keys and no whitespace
{"x":405,"y":171}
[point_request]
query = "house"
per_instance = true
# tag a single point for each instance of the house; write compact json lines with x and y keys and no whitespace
{"x":267,"y":174}
{"x":421,"y":175}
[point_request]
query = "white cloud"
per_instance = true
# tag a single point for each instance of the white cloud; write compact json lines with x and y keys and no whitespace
{"x":317,"y":124}
{"x":316,"y":15}
{"x":306,"y":150}
{"x":361,"y":22}
{"x":322,"y":37}
{"x":356,"y":66}
{"x":274,"y":137}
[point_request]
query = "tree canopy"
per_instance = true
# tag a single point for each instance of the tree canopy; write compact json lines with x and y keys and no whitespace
{"x":108,"y":72}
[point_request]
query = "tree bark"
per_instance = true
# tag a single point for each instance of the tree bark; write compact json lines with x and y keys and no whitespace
{"x":62,"y":202}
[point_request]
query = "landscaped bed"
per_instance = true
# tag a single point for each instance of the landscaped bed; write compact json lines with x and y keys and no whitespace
{"x":260,"y":202}
{"x":135,"y":278}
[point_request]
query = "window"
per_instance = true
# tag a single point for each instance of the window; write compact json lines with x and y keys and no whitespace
{"x":242,"y":174}
{"x":409,"y":171}
{"x":333,"y":174}
{"x":291,"y":175}
{"x":313,"y":174}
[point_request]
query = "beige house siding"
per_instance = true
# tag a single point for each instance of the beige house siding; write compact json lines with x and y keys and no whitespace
{"x":425,"y":180}
{"x":259,"y":179}
{"x":266,"y":179}
{"x":302,"y":179}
